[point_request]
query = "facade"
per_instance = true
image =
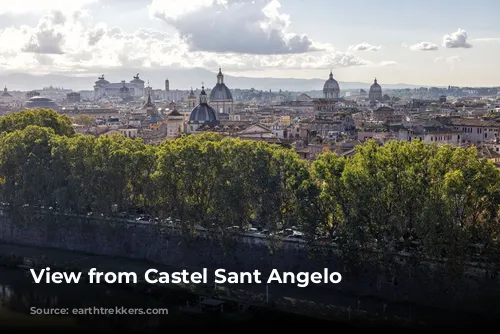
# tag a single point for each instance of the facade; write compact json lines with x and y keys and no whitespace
{"x":475,"y":130}
{"x":375,"y":93}
{"x":73,"y":97}
{"x":191,"y":100}
{"x":175,"y":124}
{"x":385,"y":115}
{"x":431,"y":134}
{"x":220,"y":96}
{"x":128,"y":131}
{"x":331,"y":88}
{"x":103,"y":88}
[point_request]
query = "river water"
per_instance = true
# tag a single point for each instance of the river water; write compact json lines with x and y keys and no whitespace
{"x":20,"y":297}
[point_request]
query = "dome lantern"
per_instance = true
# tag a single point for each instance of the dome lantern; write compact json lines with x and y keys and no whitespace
{"x":203,"y":95}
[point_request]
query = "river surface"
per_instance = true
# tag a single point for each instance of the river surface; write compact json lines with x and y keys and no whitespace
{"x":20,"y":297}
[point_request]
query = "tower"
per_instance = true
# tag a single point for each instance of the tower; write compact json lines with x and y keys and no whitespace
{"x":191,"y":100}
{"x":167,"y":85}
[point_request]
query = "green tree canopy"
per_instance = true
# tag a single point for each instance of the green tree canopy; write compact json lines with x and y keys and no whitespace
{"x":61,"y":124}
{"x":419,"y":199}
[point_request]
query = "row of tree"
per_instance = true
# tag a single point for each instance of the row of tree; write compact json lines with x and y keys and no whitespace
{"x":426,"y":200}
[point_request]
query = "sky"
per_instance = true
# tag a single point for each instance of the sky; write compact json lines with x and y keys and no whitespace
{"x":425,"y":42}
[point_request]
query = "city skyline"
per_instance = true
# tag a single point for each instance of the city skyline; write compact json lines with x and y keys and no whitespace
{"x":429,"y":43}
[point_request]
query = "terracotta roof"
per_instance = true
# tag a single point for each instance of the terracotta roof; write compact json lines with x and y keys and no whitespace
{"x":474,"y":122}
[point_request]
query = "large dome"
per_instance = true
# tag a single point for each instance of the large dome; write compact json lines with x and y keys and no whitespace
{"x":203,"y":113}
{"x":220,"y":93}
{"x":331,"y":88}
{"x":40,"y":102}
{"x":6,"y":93}
{"x":375,"y":92}
{"x":331,"y":84}
{"x":375,"y":88}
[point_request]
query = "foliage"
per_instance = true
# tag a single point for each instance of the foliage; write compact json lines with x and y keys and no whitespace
{"x":61,"y":124}
{"x":84,"y":120}
{"x":424,"y":200}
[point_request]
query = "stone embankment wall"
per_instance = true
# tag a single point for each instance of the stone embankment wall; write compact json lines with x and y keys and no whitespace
{"x":417,"y":285}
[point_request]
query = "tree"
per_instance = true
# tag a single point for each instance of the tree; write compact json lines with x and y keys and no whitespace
{"x":331,"y":202}
{"x":61,"y":124}
{"x":84,"y":120}
{"x":25,"y":166}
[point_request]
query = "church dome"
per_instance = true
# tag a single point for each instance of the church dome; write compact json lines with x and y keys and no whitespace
{"x":375,"y":87}
{"x":331,"y":84}
{"x":6,"y":93}
{"x":375,"y":93}
{"x":220,"y":92}
{"x":40,"y":102}
{"x":203,"y":113}
{"x":331,"y":88}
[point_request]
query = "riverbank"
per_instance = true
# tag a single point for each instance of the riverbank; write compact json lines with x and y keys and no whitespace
{"x":253,"y":295}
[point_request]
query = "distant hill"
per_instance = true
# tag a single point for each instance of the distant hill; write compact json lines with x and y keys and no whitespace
{"x":179,"y":79}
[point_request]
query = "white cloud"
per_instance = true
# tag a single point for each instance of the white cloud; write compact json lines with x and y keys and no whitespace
{"x":232,"y":26}
{"x":176,"y":8}
{"x":388,"y":63}
{"x":48,"y":37}
{"x":449,"y":59}
{"x":422,"y":46}
{"x":71,"y":43}
{"x":364,"y":47}
{"x":457,"y":39}
{"x":26,"y":6}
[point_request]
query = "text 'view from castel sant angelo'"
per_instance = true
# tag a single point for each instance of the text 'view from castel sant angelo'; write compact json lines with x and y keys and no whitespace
{"x":358,"y":138}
